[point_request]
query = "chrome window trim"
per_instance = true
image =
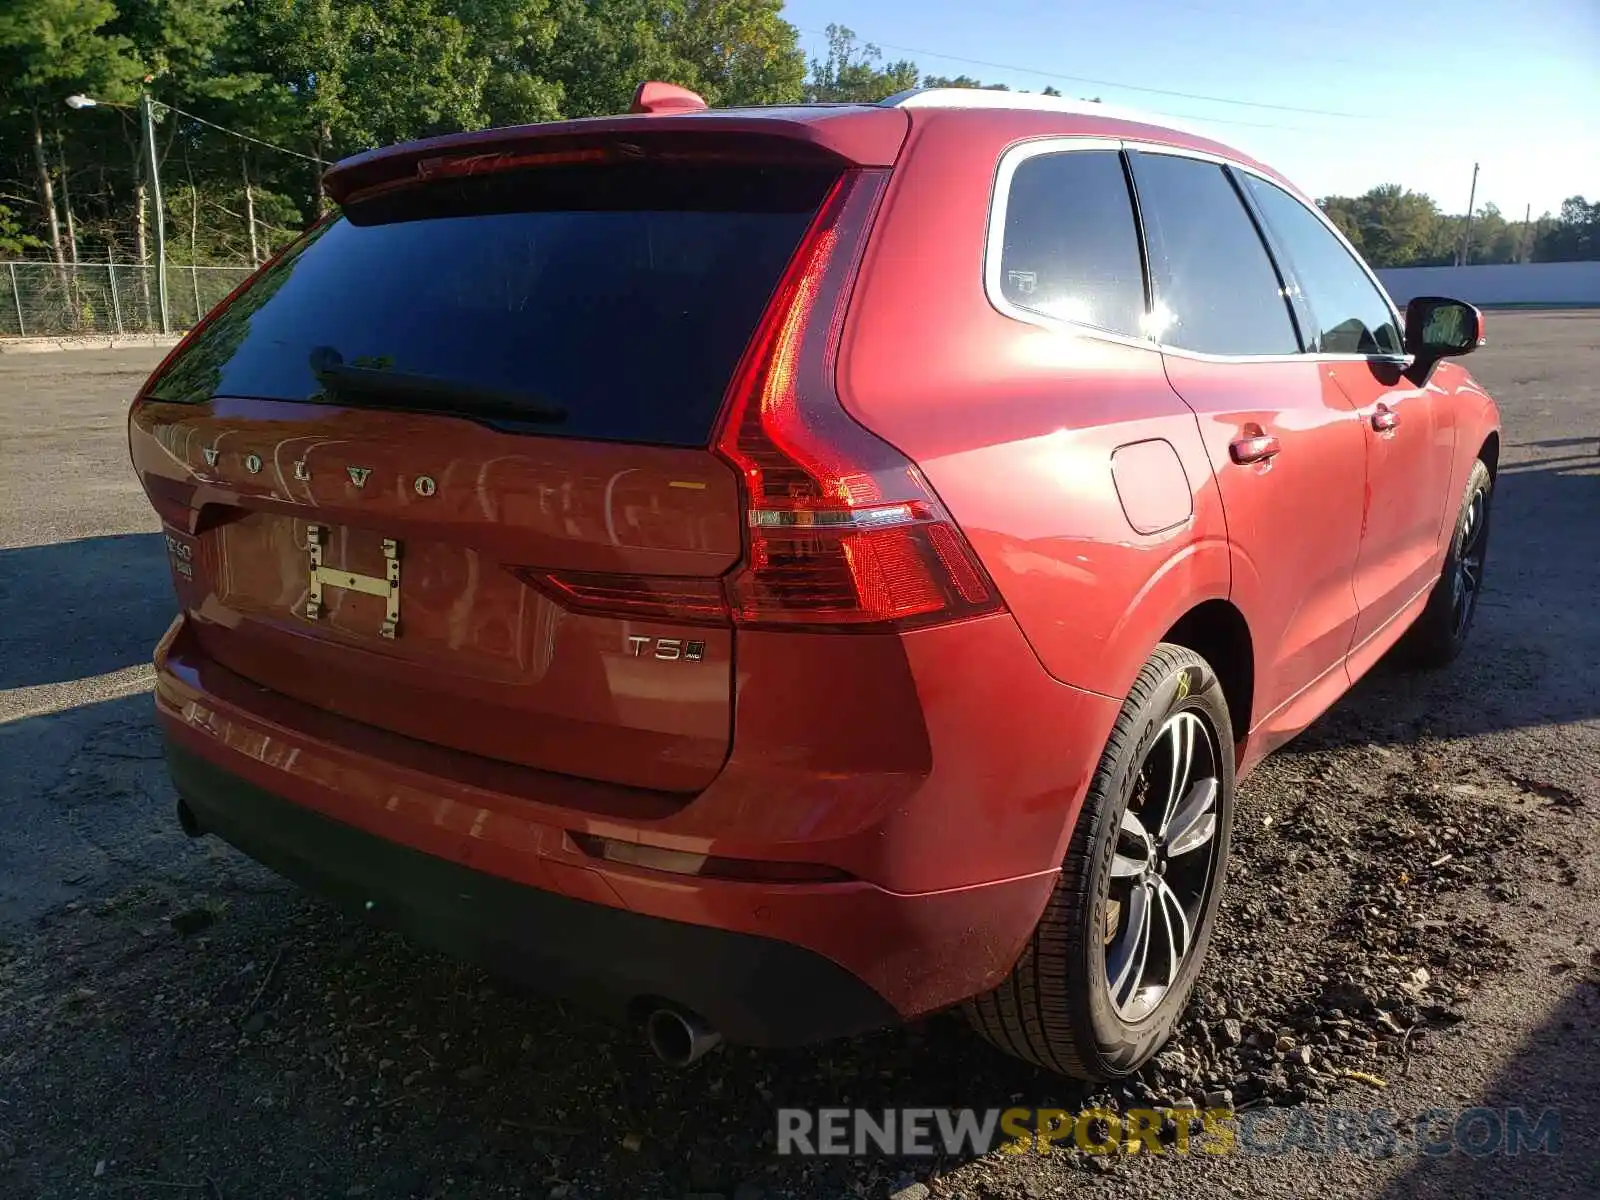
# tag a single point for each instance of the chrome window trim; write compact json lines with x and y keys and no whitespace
{"x":995,"y":236}
{"x":994,"y":245}
{"x":1265,"y":177}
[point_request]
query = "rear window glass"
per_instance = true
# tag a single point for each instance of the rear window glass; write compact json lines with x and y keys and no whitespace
{"x":1071,"y":249}
{"x":622,"y":295}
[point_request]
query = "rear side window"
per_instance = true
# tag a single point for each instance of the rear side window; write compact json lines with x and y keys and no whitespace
{"x":1352,"y":317}
{"x":1070,"y":248}
{"x":623,"y":296}
{"x":1216,"y":289}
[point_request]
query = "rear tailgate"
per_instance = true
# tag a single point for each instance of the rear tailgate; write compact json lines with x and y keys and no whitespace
{"x":442,"y":567}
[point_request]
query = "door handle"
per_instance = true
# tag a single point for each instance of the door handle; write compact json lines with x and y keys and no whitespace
{"x":1385,"y":418}
{"x":1253,"y":445}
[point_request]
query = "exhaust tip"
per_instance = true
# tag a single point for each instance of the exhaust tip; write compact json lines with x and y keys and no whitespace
{"x":679,"y":1038}
{"x":187,"y":821}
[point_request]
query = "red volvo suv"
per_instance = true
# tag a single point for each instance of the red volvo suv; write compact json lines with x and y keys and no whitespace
{"x":784,"y":571}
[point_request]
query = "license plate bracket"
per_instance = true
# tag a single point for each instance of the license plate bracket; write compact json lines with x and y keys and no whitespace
{"x":385,"y":586}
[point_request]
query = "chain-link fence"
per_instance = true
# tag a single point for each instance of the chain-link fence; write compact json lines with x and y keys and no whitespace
{"x":41,"y":299}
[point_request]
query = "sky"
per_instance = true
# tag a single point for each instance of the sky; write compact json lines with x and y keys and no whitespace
{"x":1402,"y":93}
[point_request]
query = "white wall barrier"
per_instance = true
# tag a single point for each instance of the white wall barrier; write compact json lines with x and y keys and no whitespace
{"x":1499,"y":283}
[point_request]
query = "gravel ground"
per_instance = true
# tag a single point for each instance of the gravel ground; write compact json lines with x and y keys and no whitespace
{"x":1412,"y":921}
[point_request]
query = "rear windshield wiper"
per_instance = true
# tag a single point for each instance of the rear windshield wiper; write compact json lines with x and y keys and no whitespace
{"x":353,"y":384}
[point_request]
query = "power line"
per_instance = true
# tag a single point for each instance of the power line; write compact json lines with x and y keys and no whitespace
{"x":1131,"y":87}
{"x":1210,"y":120}
{"x":235,"y":133}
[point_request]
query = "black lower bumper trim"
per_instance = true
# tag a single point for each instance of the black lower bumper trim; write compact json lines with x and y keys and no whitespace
{"x":755,"y":991}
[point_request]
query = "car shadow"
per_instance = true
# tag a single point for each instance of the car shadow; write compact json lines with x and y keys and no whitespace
{"x":74,"y":610}
{"x":85,"y":804}
{"x":1558,"y":443}
{"x":1535,"y":625}
{"x":1500,"y":1147}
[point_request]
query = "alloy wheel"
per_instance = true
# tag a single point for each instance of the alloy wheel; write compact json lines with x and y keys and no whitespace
{"x":1468,"y":577}
{"x":1163,"y":867}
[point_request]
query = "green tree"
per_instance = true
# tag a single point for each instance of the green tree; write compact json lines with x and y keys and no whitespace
{"x":48,"y":50}
{"x":14,"y":239}
{"x":1573,"y":236}
{"x":732,"y":52}
{"x":851,"y":72}
{"x":961,"y":81}
{"x":183,"y":52}
{"x":603,"y":49}
{"x":1494,"y":239}
{"x":360,"y":73}
{"x":514,"y":38}
{"x":181,"y":46}
{"x":737,"y":52}
{"x":1389,"y":225}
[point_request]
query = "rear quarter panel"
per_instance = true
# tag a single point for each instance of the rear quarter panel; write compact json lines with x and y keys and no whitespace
{"x":1015,"y":425}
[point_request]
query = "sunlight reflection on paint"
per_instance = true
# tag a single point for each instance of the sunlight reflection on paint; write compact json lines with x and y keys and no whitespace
{"x":1064,"y":348}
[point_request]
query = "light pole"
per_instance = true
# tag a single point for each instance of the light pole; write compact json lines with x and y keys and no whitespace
{"x":1466,"y":238}
{"x":147,"y":117}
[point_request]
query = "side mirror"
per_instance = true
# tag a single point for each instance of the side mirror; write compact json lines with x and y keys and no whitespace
{"x":1437,"y":327}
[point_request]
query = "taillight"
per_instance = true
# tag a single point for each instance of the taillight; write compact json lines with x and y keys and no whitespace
{"x":843,"y":531}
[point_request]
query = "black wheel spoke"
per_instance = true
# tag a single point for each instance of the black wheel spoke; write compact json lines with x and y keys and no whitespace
{"x":1134,"y":851}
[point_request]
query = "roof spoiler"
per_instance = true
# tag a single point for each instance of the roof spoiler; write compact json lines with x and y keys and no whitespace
{"x":667,"y":123}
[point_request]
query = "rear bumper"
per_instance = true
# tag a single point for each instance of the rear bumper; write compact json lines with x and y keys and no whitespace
{"x":754,"y":990}
{"x":951,"y":865}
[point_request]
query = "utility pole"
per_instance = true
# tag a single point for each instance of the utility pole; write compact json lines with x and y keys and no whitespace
{"x":147,"y":110}
{"x":1466,"y":240}
{"x":1526,"y":248}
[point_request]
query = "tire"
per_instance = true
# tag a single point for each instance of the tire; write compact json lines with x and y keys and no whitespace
{"x":1439,"y":633}
{"x":1057,"y":1007}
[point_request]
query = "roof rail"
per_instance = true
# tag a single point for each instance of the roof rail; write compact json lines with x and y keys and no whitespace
{"x":994,"y":98}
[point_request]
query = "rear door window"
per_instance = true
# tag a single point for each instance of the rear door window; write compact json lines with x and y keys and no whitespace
{"x":1070,"y":248}
{"x":1216,"y":289}
{"x":623,"y":296}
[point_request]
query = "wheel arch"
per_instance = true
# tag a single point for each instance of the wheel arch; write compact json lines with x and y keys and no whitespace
{"x":1217,"y":631}
{"x":1489,"y":453}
